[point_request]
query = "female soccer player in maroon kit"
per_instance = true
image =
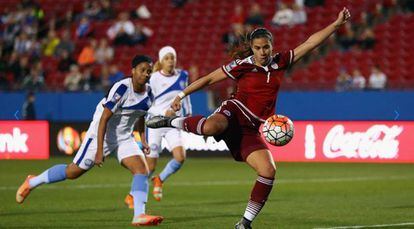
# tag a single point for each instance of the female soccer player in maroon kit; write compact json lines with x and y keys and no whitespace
{"x":258,"y":73}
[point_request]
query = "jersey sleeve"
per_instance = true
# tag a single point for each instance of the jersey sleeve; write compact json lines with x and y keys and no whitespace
{"x":150,"y":93}
{"x":153,"y":83}
{"x":284,"y":59}
{"x":233,"y":70}
{"x":115,"y":97}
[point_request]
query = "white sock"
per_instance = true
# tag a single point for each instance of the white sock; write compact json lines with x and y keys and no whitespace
{"x":178,"y":122}
{"x":54,"y":174}
{"x":252,"y":210}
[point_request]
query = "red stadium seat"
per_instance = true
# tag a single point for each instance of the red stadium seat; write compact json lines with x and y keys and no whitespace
{"x":199,"y":26}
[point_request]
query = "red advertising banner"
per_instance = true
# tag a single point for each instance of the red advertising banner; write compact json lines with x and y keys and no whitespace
{"x":313,"y":141}
{"x":349,"y":141}
{"x":24,"y":140}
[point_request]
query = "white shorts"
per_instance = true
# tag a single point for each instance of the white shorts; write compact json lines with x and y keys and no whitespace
{"x":155,"y":136}
{"x":85,"y":156}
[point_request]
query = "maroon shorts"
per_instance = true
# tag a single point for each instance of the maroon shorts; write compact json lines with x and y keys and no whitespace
{"x":242,"y":136}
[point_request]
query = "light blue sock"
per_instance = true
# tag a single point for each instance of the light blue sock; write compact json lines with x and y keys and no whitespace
{"x":149,"y":177}
{"x":172,"y":167}
{"x":139,"y":190}
{"x":54,"y":174}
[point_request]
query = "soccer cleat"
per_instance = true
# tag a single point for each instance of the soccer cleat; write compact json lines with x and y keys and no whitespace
{"x":157,"y":191}
{"x":159,"y":122}
{"x":240,"y":225}
{"x":129,"y":201}
{"x":24,"y":190}
{"x":147,"y":220}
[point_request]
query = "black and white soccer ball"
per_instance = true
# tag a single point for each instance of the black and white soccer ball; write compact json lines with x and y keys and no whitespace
{"x":278,"y":130}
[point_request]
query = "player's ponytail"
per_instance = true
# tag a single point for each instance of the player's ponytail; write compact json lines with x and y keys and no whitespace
{"x":242,"y":48}
{"x":157,"y":66}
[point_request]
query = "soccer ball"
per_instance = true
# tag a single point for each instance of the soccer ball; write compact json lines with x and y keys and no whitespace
{"x":278,"y":130}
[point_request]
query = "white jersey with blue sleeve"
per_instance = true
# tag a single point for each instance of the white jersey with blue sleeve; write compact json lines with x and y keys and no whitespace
{"x":127,"y":107}
{"x":165,"y":89}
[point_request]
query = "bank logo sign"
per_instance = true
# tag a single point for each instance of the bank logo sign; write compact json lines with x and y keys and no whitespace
{"x":24,"y":140}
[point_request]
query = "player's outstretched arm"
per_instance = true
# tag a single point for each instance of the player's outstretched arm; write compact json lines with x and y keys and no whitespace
{"x":212,"y":78}
{"x":106,"y":115}
{"x":317,"y":38}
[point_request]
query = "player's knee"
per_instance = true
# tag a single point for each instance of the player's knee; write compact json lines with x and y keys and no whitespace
{"x":180,"y":159}
{"x":209,"y":129}
{"x":268,"y":171}
{"x":73,"y":171}
{"x":70,"y":174}
{"x":212,"y":128}
{"x":139,"y":170}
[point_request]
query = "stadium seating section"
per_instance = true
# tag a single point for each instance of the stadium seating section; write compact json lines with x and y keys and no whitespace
{"x":195,"y":30}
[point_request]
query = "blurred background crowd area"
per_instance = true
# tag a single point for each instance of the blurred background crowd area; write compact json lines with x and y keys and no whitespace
{"x":77,"y":45}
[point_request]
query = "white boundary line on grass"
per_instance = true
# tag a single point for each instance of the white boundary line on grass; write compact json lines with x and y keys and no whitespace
{"x":222,"y":183}
{"x":369,"y":226}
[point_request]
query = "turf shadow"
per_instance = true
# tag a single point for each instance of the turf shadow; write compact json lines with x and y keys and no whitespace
{"x":312,"y":222}
{"x":61,"y":226}
{"x":215,"y":203}
{"x":178,"y":219}
{"x":403,"y":206}
{"x":52,"y":212}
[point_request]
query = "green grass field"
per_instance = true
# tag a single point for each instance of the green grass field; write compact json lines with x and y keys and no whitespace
{"x":213,"y":192}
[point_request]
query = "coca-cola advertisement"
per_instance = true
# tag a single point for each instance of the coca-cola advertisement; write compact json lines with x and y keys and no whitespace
{"x":349,"y":141}
{"x":24,"y":140}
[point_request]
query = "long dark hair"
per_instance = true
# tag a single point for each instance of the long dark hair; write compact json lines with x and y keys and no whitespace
{"x":241,"y":49}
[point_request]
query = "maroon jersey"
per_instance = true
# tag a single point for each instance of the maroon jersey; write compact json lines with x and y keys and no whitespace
{"x":257,"y":87}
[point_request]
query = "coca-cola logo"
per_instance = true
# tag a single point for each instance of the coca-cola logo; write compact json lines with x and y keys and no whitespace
{"x":379,"y":141}
{"x":349,"y":141}
{"x":14,"y":142}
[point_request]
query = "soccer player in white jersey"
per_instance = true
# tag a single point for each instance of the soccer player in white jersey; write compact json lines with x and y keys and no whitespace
{"x":111,"y":130}
{"x":166,"y":82}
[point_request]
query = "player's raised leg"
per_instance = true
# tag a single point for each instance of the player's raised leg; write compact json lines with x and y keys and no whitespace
{"x":82,"y":162}
{"x":213,"y":125}
{"x":54,"y":174}
{"x":262,"y":162}
{"x":139,"y":190}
